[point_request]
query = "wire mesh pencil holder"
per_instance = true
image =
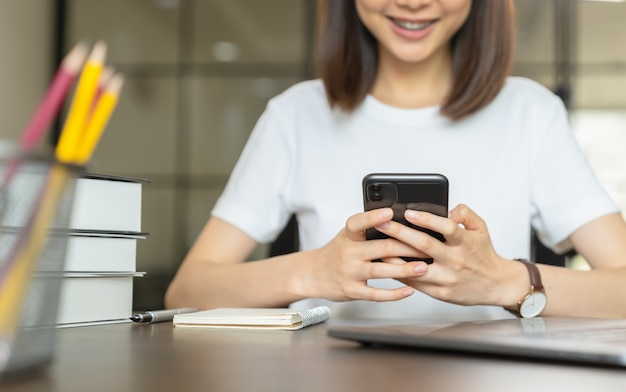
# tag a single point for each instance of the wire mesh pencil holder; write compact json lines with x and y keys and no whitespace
{"x":36,"y":196}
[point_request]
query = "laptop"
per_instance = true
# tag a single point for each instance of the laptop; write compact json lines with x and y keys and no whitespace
{"x":580,"y":340}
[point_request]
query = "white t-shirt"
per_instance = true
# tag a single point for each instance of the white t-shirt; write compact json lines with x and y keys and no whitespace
{"x":515,"y":163}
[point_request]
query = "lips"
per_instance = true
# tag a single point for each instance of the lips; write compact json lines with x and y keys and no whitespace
{"x":412,"y":25}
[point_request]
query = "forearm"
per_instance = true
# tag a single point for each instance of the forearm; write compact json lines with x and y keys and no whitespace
{"x":600,"y":292}
{"x":595,"y":293}
{"x":265,"y":283}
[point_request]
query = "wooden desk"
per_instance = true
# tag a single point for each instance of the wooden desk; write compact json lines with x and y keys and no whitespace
{"x":159,"y":357}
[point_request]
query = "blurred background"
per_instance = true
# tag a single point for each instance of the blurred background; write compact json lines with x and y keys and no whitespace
{"x":199,"y":73}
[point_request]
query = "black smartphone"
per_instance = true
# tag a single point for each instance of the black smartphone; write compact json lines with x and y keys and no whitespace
{"x":402,"y":191}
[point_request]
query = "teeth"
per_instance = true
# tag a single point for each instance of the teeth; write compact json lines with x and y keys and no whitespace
{"x":412,"y":25}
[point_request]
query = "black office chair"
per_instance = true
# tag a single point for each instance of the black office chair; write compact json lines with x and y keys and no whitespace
{"x":287,"y":241}
{"x":543,"y":255}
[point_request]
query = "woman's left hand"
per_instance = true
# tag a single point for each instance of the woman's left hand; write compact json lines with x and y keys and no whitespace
{"x":466,"y":268}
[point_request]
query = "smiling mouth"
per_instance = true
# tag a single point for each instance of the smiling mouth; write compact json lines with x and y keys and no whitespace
{"x":412,"y":26}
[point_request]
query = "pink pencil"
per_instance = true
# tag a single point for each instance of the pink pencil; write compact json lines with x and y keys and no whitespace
{"x":54,"y":98}
{"x":47,"y":110}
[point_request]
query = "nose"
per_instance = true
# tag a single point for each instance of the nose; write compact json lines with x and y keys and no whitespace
{"x":413,"y":4}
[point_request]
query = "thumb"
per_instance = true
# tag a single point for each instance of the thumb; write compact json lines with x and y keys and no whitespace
{"x":463,"y":215}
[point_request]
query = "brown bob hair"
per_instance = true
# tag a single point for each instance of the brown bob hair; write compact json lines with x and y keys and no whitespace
{"x":482,"y":51}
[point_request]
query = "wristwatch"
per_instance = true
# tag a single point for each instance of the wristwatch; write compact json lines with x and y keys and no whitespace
{"x":533,"y":303}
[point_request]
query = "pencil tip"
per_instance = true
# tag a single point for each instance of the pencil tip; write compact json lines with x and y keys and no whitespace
{"x":75,"y":58}
{"x":106,"y":75}
{"x":115,"y":84}
{"x":99,"y":51}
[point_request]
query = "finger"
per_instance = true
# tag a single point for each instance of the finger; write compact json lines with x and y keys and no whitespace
{"x":394,"y":260}
{"x":389,"y":248}
{"x":365,"y":292}
{"x":465,"y":216}
{"x":358,"y":223}
{"x":438,"y":283}
{"x":430,"y":221}
{"x":445,"y":226}
{"x":393,"y":271}
{"x":421,"y":241}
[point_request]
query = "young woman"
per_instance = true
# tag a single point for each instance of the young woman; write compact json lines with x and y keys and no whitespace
{"x":414,"y":86}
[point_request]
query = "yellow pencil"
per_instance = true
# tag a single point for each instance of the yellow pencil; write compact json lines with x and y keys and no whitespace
{"x":105,"y":78}
{"x":81,"y":103}
{"x":99,"y":119}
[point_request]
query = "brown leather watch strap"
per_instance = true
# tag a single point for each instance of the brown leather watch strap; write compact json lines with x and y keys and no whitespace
{"x":535,"y":276}
{"x":535,"y":285}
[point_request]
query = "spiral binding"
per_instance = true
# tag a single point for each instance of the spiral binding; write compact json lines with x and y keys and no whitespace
{"x":315,"y":315}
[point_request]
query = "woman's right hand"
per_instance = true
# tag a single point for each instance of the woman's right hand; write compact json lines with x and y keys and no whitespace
{"x":339,"y":271}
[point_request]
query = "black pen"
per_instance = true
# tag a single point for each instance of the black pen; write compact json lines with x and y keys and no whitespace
{"x":155,"y":316}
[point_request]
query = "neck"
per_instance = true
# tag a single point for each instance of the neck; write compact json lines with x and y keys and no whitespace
{"x":413,"y":85}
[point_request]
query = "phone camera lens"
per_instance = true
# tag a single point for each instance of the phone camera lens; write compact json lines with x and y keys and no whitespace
{"x":375,"y":193}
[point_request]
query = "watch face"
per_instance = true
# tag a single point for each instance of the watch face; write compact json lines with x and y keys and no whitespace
{"x":533,"y":305}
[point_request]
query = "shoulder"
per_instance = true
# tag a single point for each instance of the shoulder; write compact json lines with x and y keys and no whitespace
{"x":301,"y":104}
{"x":526,"y":108}
{"x":525,"y":101}
{"x":308,"y":92}
{"x":523,"y":90}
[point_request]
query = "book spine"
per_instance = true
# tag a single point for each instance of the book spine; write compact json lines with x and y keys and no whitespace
{"x":314,"y":315}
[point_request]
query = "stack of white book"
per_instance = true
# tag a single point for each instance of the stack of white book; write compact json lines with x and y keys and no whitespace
{"x":101,"y":250}
{"x":86,"y":271}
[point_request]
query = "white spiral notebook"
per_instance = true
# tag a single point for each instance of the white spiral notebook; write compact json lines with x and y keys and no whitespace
{"x":253,"y":318}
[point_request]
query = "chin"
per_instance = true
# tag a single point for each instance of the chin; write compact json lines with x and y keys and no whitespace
{"x":409,"y":57}
{"x":413,"y":54}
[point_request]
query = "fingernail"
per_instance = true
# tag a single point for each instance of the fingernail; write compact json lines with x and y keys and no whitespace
{"x":386,"y":213}
{"x":383,"y":226}
{"x":409,"y":291}
{"x":421,"y":268}
{"x":411,"y":214}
